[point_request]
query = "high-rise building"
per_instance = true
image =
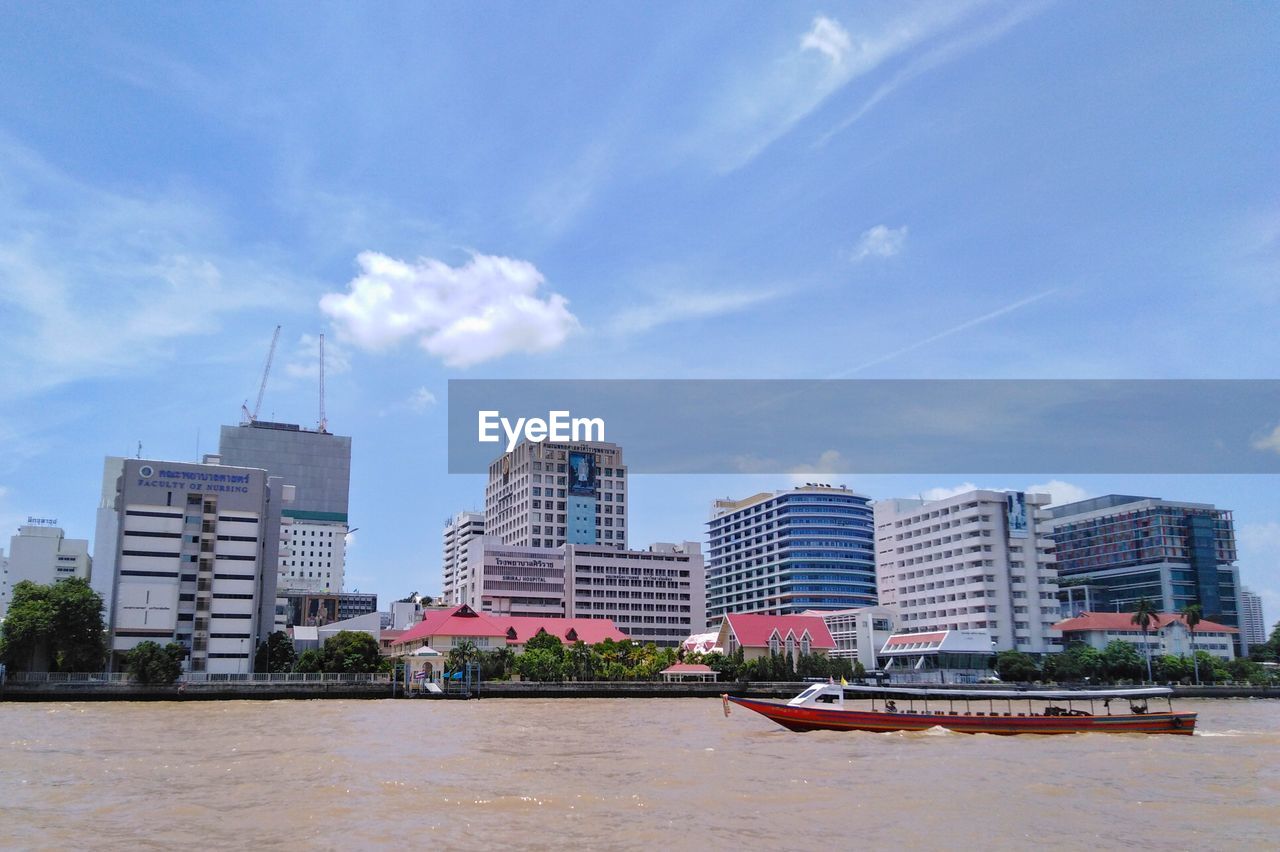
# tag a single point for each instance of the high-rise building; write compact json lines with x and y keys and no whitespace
{"x":1253,"y":627}
{"x":41,"y":553}
{"x":1128,"y":548}
{"x":194,"y":560}
{"x":318,"y":465}
{"x":656,"y":595}
{"x":455,"y":574}
{"x":105,"y":537}
{"x":548,"y":494}
{"x":981,"y":560}
{"x":786,"y":552}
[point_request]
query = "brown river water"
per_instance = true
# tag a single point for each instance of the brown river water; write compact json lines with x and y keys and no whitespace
{"x":613,"y":774}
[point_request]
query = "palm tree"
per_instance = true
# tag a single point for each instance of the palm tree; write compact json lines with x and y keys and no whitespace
{"x":1144,"y":614}
{"x":1193,"y":614}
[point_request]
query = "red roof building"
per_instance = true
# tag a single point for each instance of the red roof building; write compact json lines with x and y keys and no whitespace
{"x":1168,"y":633}
{"x":761,"y":635}
{"x":443,"y":629}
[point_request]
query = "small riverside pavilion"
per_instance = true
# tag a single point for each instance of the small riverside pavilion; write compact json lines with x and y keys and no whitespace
{"x":688,"y":671}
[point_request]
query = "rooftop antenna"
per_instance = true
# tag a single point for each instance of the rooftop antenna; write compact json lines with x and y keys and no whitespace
{"x":323,"y":423}
{"x":252,"y":416}
{"x":139,"y":450}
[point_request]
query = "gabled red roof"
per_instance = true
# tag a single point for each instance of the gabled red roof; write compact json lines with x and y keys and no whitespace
{"x":1124,"y":621}
{"x":912,"y":638}
{"x":589,"y":630}
{"x":687,"y":668}
{"x":460,"y":620}
{"x":753,"y":631}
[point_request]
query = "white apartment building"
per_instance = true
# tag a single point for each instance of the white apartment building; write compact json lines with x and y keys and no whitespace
{"x":548,"y":494}
{"x":312,"y":555}
{"x":981,"y":560}
{"x":656,"y":595}
{"x":455,"y":571}
{"x":41,"y":553}
{"x":1253,"y":627}
{"x":194,"y":560}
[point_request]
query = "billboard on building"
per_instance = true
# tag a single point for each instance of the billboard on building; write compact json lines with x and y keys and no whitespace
{"x":582,"y":473}
{"x":1017,"y":511}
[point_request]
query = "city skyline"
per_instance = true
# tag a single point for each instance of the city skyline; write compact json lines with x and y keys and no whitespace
{"x":881,"y":191}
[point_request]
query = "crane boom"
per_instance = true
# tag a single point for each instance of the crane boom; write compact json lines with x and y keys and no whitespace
{"x":266,"y":371}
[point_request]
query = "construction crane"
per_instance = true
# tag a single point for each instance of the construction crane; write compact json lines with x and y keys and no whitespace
{"x":252,"y":416}
{"x":323,"y":424}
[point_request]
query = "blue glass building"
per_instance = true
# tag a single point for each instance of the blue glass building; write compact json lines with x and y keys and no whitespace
{"x":1125,"y":548}
{"x":785,"y":552}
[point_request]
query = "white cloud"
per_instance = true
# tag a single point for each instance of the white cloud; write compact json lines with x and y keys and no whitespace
{"x":304,"y":361}
{"x":421,"y":399}
{"x":880,"y":241}
{"x":943,"y":493}
{"x":464,"y":315}
{"x":758,"y":105}
{"x":1269,"y":442}
{"x":827,"y":36}
{"x":1060,"y":492}
{"x":671,"y":306}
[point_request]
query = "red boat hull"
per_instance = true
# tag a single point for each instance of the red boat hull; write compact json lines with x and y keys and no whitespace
{"x":820,"y":719}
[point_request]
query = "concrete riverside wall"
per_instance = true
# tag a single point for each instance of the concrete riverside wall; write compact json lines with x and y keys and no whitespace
{"x":192,"y":692}
{"x":492,"y":689}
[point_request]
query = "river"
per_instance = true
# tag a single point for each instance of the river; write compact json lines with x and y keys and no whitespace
{"x":612,"y":774}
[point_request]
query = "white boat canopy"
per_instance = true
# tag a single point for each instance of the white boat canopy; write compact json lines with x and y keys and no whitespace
{"x":1016,"y":694}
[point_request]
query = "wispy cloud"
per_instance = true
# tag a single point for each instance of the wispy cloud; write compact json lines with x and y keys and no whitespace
{"x":880,"y":241}
{"x":96,"y":283}
{"x":465,"y":315}
{"x":304,"y":360}
{"x":764,"y":103}
{"x":1059,"y":492}
{"x":942,"y":335}
{"x":937,"y":57}
{"x":685,"y":305}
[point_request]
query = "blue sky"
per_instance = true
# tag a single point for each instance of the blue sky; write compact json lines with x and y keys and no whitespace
{"x":959,"y":190}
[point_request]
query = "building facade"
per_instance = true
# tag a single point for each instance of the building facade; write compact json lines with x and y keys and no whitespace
{"x":859,"y":633}
{"x":514,"y":580}
{"x":758,"y":635}
{"x":41,"y":553}
{"x":315,"y":527}
{"x":194,"y":561}
{"x":548,"y":494}
{"x":655,"y":595}
{"x":1129,"y":548}
{"x":455,"y":572}
{"x":1168,"y":634}
{"x":785,"y":552}
{"x":1253,"y":627}
{"x":981,"y":560}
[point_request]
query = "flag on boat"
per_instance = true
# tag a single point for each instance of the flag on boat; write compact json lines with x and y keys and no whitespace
{"x":843,"y":682}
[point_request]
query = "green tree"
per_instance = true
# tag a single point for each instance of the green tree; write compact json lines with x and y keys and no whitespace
{"x":1193,"y":614}
{"x":1079,"y":662}
{"x":150,"y":664}
{"x":353,"y":652}
{"x":1269,"y":651}
{"x":1145,"y":614}
{"x":1015,"y":666}
{"x":57,"y":627}
{"x":276,"y":654}
{"x":543,"y":659}
{"x":1121,"y":661}
{"x":1173,"y":668}
{"x":310,"y":661}
{"x":461,"y":654}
